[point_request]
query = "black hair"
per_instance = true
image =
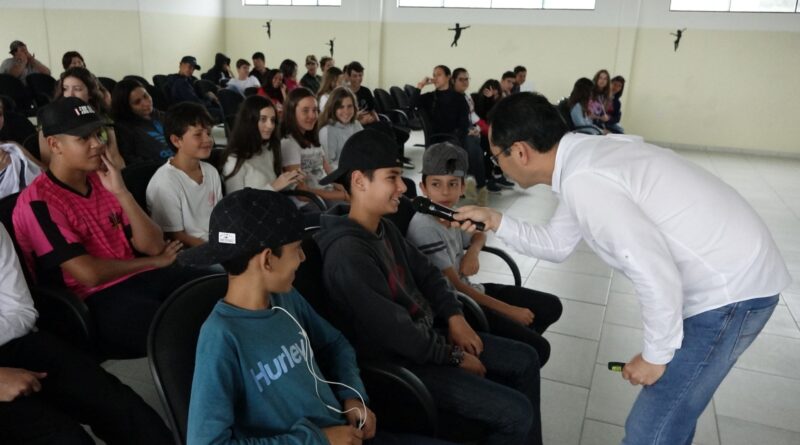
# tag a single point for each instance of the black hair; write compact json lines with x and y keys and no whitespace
{"x":305,"y":139}
{"x":621,"y":80}
{"x":519,"y":69}
{"x":353,"y":66}
{"x":66,"y":59}
{"x":120,"y":100}
{"x":456,"y":72}
{"x":259,"y":55}
{"x":347,"y":179}
{"x":507,"y":75}
{"x":526,"y":117}
{"x":241,"y":62}
{"x":245,"y":139}
{"x":238,"y":265}
{"x":444,"y":68}
{"x":581,"y":94}
{"x":182,"y":115}
{"x":288,"y":68}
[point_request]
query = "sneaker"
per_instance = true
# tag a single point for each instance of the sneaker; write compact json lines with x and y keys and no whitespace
{"x":492,"y":187}
{"x":502,"y":181}
{"x":483,"y":197}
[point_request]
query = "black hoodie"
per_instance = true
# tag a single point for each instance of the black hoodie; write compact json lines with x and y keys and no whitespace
{"x":387,"y":291}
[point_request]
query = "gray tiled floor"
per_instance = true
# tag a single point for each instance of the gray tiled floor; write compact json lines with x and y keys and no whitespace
{"x":585,"y":404}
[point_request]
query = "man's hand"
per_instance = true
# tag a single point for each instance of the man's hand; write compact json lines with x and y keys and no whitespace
{"x":469,"y":265}
{"x":111,"y":178}
{"x":461,"y":334}
{"x":485,"y":215}
{"x":473,"y":365}
{"x":354,"y":411}
{"x":343,"y":435}
{"x":168,"y":255}
{"x":15,"y":382}
{"x":639,"y":371}
{"x":521,"y":315}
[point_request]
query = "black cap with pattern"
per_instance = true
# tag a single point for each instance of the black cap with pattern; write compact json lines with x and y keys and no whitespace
{"x":244,"y":223}
{"x":366,"y":150}
{"x":69,"y":115}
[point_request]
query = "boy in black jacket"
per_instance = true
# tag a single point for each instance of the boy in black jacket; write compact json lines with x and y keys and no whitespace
{"x":400,"y":306}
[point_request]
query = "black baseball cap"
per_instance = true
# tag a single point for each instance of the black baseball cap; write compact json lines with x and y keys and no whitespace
{"x":366,"y":150}
{"x":246,"y":222}
{"x":192,"y":60}
{"x":69,"y":115}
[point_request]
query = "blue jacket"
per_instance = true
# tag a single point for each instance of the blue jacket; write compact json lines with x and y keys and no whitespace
{"x":251,"y":380}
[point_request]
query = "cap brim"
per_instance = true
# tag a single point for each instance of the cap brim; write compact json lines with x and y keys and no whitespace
{"x":334,"y":176}
{"x":207,"y":254}
{"x":197,"y":67}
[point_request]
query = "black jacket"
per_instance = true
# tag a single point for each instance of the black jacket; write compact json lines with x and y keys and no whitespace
{"x":387,"y":291}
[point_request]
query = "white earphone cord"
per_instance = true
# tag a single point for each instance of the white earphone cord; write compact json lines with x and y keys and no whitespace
{"x":310,"y":358}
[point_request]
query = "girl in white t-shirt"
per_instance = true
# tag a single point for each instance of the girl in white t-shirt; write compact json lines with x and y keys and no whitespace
{"x":339,"y":120}
{"x":253,"y":156}
{"x":300,"y":148}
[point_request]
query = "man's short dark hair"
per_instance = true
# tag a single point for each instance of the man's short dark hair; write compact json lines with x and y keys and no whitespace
{"x":258,"y":55}
{"x":237,"y":266}
{"x":347,"y":180}
{"x":354,"y":66}
{"x":241,"y":62}
{"x":508,"y":74}
{"x":520,"y":69}
{"x":526,"y":117}
{"x":181,"y":115}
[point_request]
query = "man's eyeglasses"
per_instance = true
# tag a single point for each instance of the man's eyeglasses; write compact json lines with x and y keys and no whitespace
{"x":495,"y":158}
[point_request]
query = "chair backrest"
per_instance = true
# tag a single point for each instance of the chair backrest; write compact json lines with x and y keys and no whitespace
{"x":41,"y":83}
{"x":107,"y":82}
{"x":427,"y":127}
{"x":203,"y":86}
{"x":160,"y":101}
{"x":139,"y":79}
{"x":159,"y":80}
{"x":172,"y":342}
{"x":14,"y":88}
{"x":230,"y":101}
{"x":250,"y":91}
{"x":564,"y":111}
{"x":411,"y":91}
{"x":384,"y":101}
{"x":136,"y":178}
{"x":400,"y":98}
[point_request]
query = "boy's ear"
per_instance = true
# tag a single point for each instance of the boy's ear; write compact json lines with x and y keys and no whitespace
{"x":175,"y":140}
{"x":54,"y":143}
{"x":264,"y":259}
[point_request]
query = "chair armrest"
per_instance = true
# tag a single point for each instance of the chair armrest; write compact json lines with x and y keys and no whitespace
{"x":316,"y":200}
{"x":398,"y":397}
{"x":473,"y":313}
{"x":508,"y":260}
{"x":65,"y":315}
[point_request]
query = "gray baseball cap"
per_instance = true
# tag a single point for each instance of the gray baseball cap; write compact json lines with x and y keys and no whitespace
{"x":445,"y":158}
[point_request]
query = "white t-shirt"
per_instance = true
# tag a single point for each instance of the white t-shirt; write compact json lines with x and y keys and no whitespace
{"x":17,"y":314}
{"x":240,"y":85}
{"x":177,"y":203}
{"x":311,"y":161}
{"x":19,"y":173}
{"x":257,"y":172}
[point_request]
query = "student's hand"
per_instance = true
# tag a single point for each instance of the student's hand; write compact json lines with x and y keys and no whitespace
{"x":168,"y":255}
{"x":488,"y":92}
{"x":485,"y":215}
{"x":461,"y":334}
{"x":354,"y":412}
{"x":604,"y":118}
{"x":469,"y":265}
{"x":110,"y":176}
{"x":15,"y":382}
{"x":287,"y":178}
{"x":521,"y":315}
{"x":639,"y":371}
{"x":343,"y":435}
{"x":473,"y":365}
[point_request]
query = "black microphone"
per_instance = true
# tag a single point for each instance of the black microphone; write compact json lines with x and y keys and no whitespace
{"x":424,"y":205}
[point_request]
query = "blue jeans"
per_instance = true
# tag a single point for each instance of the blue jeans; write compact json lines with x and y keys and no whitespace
{"x":506,"y":401}
{"x":667,"y":411}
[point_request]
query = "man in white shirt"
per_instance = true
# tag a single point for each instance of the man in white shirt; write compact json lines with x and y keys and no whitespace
{"x":704,"y":266}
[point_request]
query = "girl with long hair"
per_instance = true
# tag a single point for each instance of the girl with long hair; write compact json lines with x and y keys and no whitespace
{"x":339,"y":123}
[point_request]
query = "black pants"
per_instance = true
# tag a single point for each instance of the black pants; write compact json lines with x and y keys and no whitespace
{"x":546,"y":309}
{"x":76,"y":390}
{"x":122,"y":313}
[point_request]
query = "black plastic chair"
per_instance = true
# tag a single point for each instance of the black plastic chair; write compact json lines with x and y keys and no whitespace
{"x":250,"y":91}
{"x":203,"y":87}
{"x":14,"y":88}
{"x":136,"y":178}
{"x":404,"y":103}
{"x":159,"y":80}
{"x":42,"y":86}
{"x":430,"y":137}
{"x":229,"y":101}
{"x":385,"y":104}
{"x":160,"y":101}
{"x":109,"y":83}
{"x":171,"y":345}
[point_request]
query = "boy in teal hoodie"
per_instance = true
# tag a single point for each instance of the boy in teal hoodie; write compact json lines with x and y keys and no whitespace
{"x":256,"y":377}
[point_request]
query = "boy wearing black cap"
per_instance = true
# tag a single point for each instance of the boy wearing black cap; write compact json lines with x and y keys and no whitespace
{"x":180,"y":88}
{"x":79,"y":226}
{"x":253,"y":376}
{"x":513,"y":312}
{"x":402,"y":308}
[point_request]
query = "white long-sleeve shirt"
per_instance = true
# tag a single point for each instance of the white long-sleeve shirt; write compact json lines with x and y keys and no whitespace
{"x":17,"y":314}
{"x":688,"y":241}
